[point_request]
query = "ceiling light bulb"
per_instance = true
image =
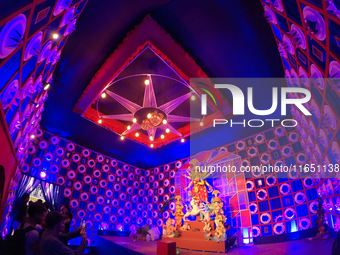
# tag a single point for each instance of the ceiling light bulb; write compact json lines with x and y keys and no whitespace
{"x":193,"y":97}
{"x":47,"y":86}
{"x":165,"y":121}
{"x":151,"y":138}
{"x":137,"y":134}
{"x":103,"y":95}
{"x":32,"y":136}
{"x":122,"y":138}
{"x":182,"y":140}
{"x":201,"y":123}
{"x":55,"y":36}
{"x":151,"y":145}
{"x":167,"y":130}
{"x":149,"y":116}
{"x":162,"y":136}
{"x":147,"y":82}
{"x":100,"y":121}
{"x":134,"y":120}
{"x":128,"y":127}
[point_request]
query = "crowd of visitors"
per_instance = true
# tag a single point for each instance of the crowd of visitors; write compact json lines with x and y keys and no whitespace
{"x":42,"y":231}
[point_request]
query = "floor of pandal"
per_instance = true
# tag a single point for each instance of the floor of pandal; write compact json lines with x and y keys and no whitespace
{"x":299,"y":247}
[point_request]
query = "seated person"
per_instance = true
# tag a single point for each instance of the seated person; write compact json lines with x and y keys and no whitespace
{"x":51,"y":242}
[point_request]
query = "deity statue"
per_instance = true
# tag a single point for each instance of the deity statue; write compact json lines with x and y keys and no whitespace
{"x":198,"y":180}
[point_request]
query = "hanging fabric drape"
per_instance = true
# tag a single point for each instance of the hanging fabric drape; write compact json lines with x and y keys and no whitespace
{"x":53,"y":194}
{"x":27,"y":185}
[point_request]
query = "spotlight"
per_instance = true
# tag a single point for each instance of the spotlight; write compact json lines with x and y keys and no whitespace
{"x":55,"y":36}
{"x":162,"y":136}
{"x":147,"y":82}
{"x":122,"y":138}
{"x":37,"y":105}
{"x":165,"y":121}
{"x":182,"y":140}
{"x":201,"y":123}
{"x":47,"y":86}
{"x":32,"y":136}
{"x":103,"y":95}
{"x":100,"y":121}
{"x":149,"y":116}
{"x":167,"y":130}
{"x":128,"y":127}
{"x":151,"y":138}
{"x":151,"y":145}
{"x":134,"y":120}
{"x":137,"y":134}
{"x":193,"y":97}
{"x":43,"y":175}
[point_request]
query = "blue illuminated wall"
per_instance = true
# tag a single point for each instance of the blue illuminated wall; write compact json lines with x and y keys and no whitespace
{"x":308,"y":37}
{"x":28,"y":56}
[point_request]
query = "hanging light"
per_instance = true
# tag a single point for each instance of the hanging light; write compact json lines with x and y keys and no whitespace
{"x":165,"y":121}
{"x":137,"y":134}
{"x":55,"y":35}
{"x":100,"y":121}
{"x":151,"y":138}
{"x":128,"y":127}
{"x":32,"y":136}
{"x":103,"y":95}
{"x":147,"y":82}
{"x":182,"y":140}
{"x":47,"y":86}
{"x":134,"y":120}
{"x":43,"y":175}
{"x":151,"y":145}
{"x":167,"y":130}
{"x":162,"y":136}
{"x":149,"y":116}
{"x":201,"y":123}
{"x":193,"y":97}
{"x":122,"y":138}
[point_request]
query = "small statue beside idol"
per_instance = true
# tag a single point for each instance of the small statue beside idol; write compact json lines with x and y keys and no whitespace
{"x":207,"y":229}
{"x":186,"y":227}
{"x":169,"y":229}
{"x":178,"y":213}
{"x":220,"y":232}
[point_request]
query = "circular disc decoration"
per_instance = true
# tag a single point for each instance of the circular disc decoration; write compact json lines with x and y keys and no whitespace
{"x":279,"y":228}
{"x":289,"y":213}
{"x":259,"y":138}
{"x":304,"y":223}
{"x":313,"y":207}
{"x":256,"y":231}
{"x":262,"y":194}
{"x":314,"y":16}
{"x":112,"y":218}
{"x":308,"y":182}
{"x":270,"y":180}
{"x":273,"y":144}
{"x":241,"y":145}
{"x":11,"y":35}
{"x":300,"y":197}
{"x":285,"y":189}
{"x":250,"y":185}
{"x":265,"y":218}
{"x":34,"y":46}
{"x":253,"y":208}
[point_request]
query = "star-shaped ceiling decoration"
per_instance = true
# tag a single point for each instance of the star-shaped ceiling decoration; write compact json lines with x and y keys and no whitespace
{"x":146,"y":94}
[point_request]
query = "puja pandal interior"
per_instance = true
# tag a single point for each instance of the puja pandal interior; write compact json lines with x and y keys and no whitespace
{"x":98,"y":111}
